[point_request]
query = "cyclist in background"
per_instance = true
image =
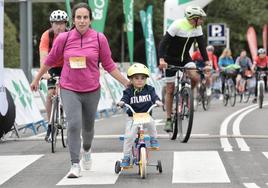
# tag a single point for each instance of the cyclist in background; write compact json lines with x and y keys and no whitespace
{"x":198,"y":59}
{"x":245,"y":64}
{"x":260,"y":64}
{"x":58,"y":20}
{"x":174,"y":50}
{"x":213,"y":59}
{"x":225,"y":61}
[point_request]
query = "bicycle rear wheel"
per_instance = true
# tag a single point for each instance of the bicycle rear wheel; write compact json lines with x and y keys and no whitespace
{"x":185,"y":114}
{"x":232,"y":93}
{"x":204,"y":97}
{"x":261,"y":90}
{"x":54,"y":124}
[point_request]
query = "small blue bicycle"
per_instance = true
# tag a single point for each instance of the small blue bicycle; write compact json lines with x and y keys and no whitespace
{"x":140,"y":150}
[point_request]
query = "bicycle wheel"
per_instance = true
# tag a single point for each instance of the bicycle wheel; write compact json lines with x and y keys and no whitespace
{"x":232,"y":92}
{"x":225,"y":93}
{"x":54,"y":124}
{"x":173,"y":134}
{"x":261,"y":90}
{"x":246,"y":93}
{"x":185,"y":114}
{"x":204,"y":97}
{"x":62,"y":121}
{"x":143,"y":163}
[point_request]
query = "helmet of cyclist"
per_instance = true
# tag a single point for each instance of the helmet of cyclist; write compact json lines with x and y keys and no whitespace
{"x":194,"y":12}
{"x":210,"y":48}
{"x":137,"y":68}
{"x":58,"y":16}
{"x":261,"y":51}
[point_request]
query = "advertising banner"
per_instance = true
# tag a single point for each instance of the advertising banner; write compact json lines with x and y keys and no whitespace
{"x":128,"y":11}
{"x":26,"y":109}
{"x":147,"y":26}
{"x":99,"y":11}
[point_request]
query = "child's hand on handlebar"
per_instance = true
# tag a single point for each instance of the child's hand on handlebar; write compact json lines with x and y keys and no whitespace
{"x":121,"y":103}
{"x":158,"y":103}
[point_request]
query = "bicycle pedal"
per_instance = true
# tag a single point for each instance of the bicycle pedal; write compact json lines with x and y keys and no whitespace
{"x":127,"y":167}
{"x":153,"y":149}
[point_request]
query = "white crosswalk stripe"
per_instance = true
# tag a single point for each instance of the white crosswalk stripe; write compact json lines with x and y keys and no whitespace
{"x":198,"y":167}
{"x":102,"y":171}
{"x":189,"y":167}
{"x":11,"y":165}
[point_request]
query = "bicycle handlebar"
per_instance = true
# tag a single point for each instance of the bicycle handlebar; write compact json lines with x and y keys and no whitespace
{"x":148,"y":111}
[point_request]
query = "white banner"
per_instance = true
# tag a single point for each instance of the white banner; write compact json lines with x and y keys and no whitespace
{"x":26,"y":108}
{"x":174,"y":9}
{"x":3,"y":98}
{"x":106,"y":100}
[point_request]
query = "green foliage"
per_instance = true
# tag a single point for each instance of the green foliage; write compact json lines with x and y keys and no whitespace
{"x":11,"y":45}
{"x":237,"y":14}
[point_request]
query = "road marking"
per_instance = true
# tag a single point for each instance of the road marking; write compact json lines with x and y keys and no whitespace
{"x":102,"y":171}
{"x":10,"y":165}
{"x":198,"y":167}
{"x":265,"y":154}
{"x":223,"y":130}
{"x":236,"y":130}
{"x":251,"y":185}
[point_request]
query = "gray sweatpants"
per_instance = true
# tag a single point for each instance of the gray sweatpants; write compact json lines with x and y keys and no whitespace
{"x":80,"y":109}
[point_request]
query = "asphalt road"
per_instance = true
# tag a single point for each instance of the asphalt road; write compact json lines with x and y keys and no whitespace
{"x":228,"y":148}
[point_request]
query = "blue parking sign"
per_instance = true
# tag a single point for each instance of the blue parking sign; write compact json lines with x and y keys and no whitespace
{"x":216,"y":34}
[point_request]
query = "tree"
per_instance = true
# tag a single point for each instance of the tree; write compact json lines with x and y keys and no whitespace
{"x":11,"y":45}
{"x":238,"y":16}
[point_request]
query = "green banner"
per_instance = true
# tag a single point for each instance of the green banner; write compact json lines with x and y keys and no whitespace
{"x":128,"y":11}
{"x":99,"y":11}
{"x":147,"y":26}
{"x":69,"y":11}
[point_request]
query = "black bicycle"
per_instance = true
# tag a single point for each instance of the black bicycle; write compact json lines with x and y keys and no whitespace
{"x":202,"y":97}
{"x":229,"y":93}
{"x":57,"y":118}
{"x":183,"y":112}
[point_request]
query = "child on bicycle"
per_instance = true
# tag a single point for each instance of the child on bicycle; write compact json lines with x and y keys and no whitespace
{"x":140,"y":96}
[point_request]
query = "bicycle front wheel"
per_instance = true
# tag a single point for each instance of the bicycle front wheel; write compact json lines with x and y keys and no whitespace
{"x":143,"y":163}
{"x":232,"y":93}
{"x":54,"y":124}
{"x":261,"y":91}
{"x":185,"y":114}
{"x":174,"y":133}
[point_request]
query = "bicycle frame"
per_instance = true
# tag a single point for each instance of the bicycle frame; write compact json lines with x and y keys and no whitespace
{"x":139,"y":150}
{"x":184,"y":110}
{"x":57,"y":117}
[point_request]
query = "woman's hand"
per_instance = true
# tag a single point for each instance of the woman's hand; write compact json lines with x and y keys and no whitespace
{"x":34,"y":85}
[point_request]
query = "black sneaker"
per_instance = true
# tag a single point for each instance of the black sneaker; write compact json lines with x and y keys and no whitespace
{"x":254,"y":100}
{"x":168,"y":126}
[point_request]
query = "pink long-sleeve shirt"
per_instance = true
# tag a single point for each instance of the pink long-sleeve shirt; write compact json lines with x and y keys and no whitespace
{"x":76,"y":45}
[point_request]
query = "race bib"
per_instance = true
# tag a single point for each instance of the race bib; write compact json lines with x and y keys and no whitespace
{"x":78,"y":62}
